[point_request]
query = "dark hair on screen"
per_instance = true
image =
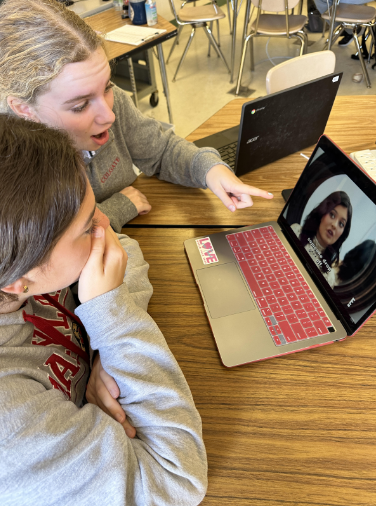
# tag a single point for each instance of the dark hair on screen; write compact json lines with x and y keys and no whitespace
{"x":313,"y":220}
{"x":42,"y":187}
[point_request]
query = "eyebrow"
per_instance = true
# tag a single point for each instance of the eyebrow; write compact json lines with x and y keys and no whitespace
{"x":83,"y":97}
{"x":90,"y":217}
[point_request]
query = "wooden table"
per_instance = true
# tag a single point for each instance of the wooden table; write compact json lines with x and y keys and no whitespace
{"x":298,"y":430}
{"x":292,"y":431}
{"x":352,"y":125}
{"x":110,"y":20}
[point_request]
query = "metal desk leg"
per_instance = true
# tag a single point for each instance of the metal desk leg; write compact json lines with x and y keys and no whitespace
{"x":334,"y":11}
{"x":235,"y":15}
{"x":162,"y":67}
{"x":133,"y":81}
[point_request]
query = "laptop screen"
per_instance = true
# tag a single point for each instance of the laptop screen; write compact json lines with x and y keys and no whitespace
{"x":331,"y":219}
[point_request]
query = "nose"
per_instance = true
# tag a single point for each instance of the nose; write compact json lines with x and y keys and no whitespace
{"x":105,"y":114}
{"x":101,"y":219}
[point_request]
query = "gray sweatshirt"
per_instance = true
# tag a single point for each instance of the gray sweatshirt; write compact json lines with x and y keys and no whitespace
{"x":56,"y":451}
{"x":136,"y":139}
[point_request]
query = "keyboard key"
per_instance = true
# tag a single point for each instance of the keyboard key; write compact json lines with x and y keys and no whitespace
{"x":321,"y":313}
{"x":230,"y":237}
{"x":294,"y":283}
{"x":278,"y":254}
{"x":259,"y":276}
{"x":327,"y":322}
{"x":266,"y":312}
{"x":241,"y":239}
{"x":256,"y":251}
{"x":261,"y":302}
{"x":296,"y":305}
{"x":263,"y":247}
{"x":305,"y":286}
{"x":259,"y":257}
{"x":274,"y":247}
{"x":282,"y":261}
{"x":287,"y":332}
{"x":292,"y":318}
{"x":264,"y":231}
{"x":256,"y":233}
{"x":299,"y":291}
{"x":255,"y":269}
{"x":286,"y":268}
{"x":287,"y":309}
{"x":298,"y":331}
{"x":279,"y":274}
{"x":304,"y":299}
{"x":267,"y":291}
{"x":315,"y":302}
{"x":268,"y":321}
{"x":270,"y":260}
{"x":321,"y":328}
{"x":272,"y":331}
{"x":263,"y":263}
{"x":249,"y":256}
{"x":278,"y":329}
{"x":288,"y":289}
{"x":240,"y":256}
{"x":292,"y":297}
{"x":290,"y":275}
{"x":309,"y":307}
{"x":256,"y":291}
{"x":246,"y":249}
{"x":253,"y":244}
{"x":267,"y":270}
{"x":252,"y":262}
{"x":274,"y":266}
{"x":301,"y":314}
{"x":271,"y":299}
{"x":283,"y":281}
{"x":234,"y":243}
{"x":311,"y":332}
{"x":274,"y":285}
{"x":279,"y":316}
{"x":263,"y":283}
{"x":248,"y":236}
{"x":237,"y":249}
{"x":275,"y":308}
{"x":306,"y":322}
{"x":314,"y":315}
{"x":268,"y":254}
{"x":261,"y":241}
{"x":279,"y":293}
{"x":282,"y":301}
{"x":277,"y":340}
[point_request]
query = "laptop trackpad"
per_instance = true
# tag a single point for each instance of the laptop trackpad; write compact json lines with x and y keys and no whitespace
{"x":224,"y":290}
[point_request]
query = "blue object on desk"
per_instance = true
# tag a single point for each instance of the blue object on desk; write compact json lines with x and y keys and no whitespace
{"x":137,"y":12}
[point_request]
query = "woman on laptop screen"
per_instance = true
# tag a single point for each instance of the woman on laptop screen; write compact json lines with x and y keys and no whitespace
{"x":324,"y":231}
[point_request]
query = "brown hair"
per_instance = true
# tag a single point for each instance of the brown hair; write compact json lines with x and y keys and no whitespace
{"x":37,"y":39}
{"x":43,"y":184}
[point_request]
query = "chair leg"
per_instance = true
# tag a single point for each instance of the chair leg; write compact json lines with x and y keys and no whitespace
{"x":336,"y":34}
{"x":241,"y":68}
{"x":252,"y":54}
{"x":229,"y":15}
{"x":211,"y":29}
{"x":215,"y":45}
{"x":361,"y":59}
{"x":219,"y":40}
{"x":175,"y":43}
{"x":193,"y":31}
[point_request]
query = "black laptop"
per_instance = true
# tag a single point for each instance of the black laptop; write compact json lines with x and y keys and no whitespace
{"x":276,"y":126}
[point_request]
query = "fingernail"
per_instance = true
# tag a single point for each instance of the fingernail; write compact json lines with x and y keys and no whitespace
{"x":98,"y":232}
{"x":270,"y":194}
{"x":232,"y":208}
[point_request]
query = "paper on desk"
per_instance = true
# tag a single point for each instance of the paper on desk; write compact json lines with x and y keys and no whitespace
{"x":134,"y":35}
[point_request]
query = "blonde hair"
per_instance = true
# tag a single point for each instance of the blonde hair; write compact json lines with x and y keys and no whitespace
{"x":37,"y":39}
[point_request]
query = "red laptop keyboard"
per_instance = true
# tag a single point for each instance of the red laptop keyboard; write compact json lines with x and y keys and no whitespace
{"x":288,"y":306}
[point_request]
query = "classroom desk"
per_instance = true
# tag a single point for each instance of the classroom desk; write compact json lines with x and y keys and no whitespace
{"x":110,"y":20}
{"x":352,"y":125}
{"x":290,"y":431}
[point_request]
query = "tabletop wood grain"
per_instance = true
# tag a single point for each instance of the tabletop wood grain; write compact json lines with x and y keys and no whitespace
{"x":352,"y":125}
{"x":110,"y":19}
{"x":290,"y":431}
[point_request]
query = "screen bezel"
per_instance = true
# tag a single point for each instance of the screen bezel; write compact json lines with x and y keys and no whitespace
{"x":345,"y":166}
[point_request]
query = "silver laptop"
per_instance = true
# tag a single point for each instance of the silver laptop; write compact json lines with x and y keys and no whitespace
{"x":276,"y":126}
{"x":304,"y":281}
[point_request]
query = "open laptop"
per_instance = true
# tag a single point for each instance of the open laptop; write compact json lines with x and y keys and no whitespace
{"x":286,"y":286}
{"x":276,"y":126}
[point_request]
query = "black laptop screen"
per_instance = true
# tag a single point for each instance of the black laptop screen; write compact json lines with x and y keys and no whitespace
{"x":331,"y":218}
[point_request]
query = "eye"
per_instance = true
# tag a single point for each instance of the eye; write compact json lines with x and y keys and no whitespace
{"x":80,"y":108}
{"x":94,"y":224}
{"x":109,"y":86}
{"x":341,"y":224}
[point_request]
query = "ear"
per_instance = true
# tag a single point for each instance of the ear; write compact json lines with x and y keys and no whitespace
{"x":17,"y":287}
{"x":21,"y":108}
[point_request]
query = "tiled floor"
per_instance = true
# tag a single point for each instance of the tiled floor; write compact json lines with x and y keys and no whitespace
{"x":203,"y":84}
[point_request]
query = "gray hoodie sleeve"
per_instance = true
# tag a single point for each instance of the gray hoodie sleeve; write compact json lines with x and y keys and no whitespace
{"x":54,"y":452}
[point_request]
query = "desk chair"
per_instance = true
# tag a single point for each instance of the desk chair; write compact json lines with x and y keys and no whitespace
{"x":273,"y":25}
{"x":198,"y":17}
{"x":350,"y":16}
{"x":300,"y":70}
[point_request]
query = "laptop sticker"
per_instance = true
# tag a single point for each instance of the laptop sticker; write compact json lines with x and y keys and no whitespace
{"x":206,"y":250}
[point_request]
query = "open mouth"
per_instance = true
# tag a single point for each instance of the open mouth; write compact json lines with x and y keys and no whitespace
{"x":99,"y":136}
{"x":102,"y":138}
